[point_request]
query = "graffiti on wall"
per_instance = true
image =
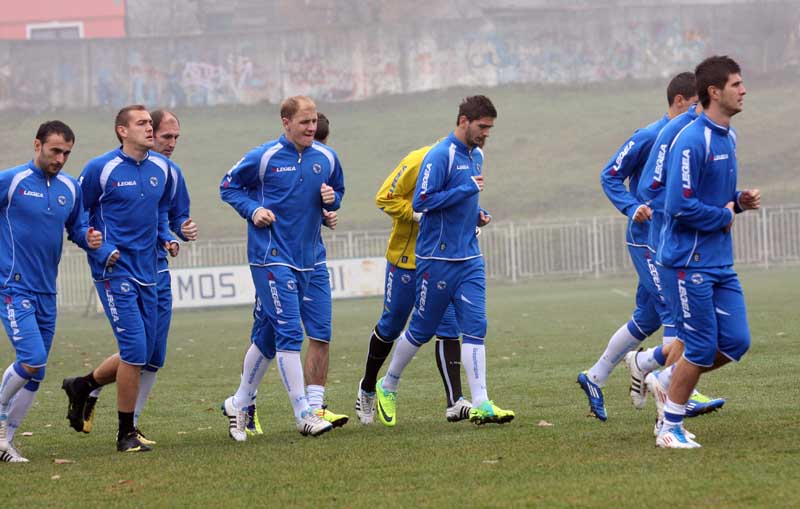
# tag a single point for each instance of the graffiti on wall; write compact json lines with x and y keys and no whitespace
{"x":357,"y":63}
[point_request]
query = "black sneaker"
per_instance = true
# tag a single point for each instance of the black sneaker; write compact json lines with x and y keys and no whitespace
{"x":143,"y":439}
{"x":131,"y":443}
{"x":88,"y":414}
{"x":77,"y":402}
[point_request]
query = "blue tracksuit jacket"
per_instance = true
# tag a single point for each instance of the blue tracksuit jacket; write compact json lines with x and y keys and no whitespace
{"x":627,"y":164}
{"x":128,"y":201}
{"x":653,"y":178}
{"x":37,"y":209}
{"x":701,"y":179}
{"x":275,"y":176}
{"x":447,"y":196}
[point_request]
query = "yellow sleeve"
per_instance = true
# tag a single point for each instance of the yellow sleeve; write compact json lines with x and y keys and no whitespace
{"x":395,"y":195}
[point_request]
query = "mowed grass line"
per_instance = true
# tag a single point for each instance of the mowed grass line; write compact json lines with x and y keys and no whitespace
{"x":542,"y":333}
{"x":543,"y":159}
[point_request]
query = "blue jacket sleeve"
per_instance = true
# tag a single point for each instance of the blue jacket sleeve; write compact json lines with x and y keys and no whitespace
{"x":336,"y":181}
{"x":683,"y":174}
{"x":430,"y":193}
{"x":164,"y":235}
{"x":179,"y":203}
{"x":621,"y":166}
{"x":77,"y":224}
{"x":89,"y":182}
{"x":235,"y":184}
{"x":5,"y":182}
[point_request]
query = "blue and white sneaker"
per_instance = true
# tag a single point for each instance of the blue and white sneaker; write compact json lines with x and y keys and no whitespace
{"x":700,"y":404}
{"x":675,"y":437}
{"x":597,"y":406}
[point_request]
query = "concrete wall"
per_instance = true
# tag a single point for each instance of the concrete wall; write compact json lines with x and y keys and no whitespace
{"x":334,"y":64}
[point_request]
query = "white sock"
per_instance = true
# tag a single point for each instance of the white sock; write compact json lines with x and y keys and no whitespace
{"x":620,"y":343}
{"x":12,"y":383}
{"x":290,"y":369}
{"x":96,"y":393}
{"x":20,"y":405}
{"x":646,"y":360}
{"x":673,"y":413}
{"x":473,"y":358}
{"x":665,"y":377}
{"x":254,"y":368}
{"x":404,"y":351}
{"x":146,"y":381}
{"x":316,"y":395}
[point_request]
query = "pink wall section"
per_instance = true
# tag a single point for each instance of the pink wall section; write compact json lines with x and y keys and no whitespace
{"x":101,"y":18}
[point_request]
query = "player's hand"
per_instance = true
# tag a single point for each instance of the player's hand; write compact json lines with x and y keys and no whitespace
{"x":94,"y":238}
{"x":331,"y":219}
{"x":327,"y":193}
{"x":642,"y":214}
{"x":478,"y":179}
{"x":112,"y":259}
{"x":750,"y":199}
{"x":729,"y":206}
{"x":189,"y":229}
{"x":263,"y":218}
{"x":172,"y":248}
{"x":483,"y":219}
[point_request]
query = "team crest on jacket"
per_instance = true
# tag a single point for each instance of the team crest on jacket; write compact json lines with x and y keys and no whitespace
{"x":441,"y":285}
{"x":125,"y":287}
{"x":405,"y":278}
{"x":697,"y":278}
{"x":26,"y":304}
{"x":291,"y":285}
{"x":154,"y":181}
{"x":317,"y":168}
{"x":62,"y":200}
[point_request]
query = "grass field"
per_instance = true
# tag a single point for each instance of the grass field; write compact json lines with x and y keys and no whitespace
{"x":542,"y":161}
{"x":542,"y":333}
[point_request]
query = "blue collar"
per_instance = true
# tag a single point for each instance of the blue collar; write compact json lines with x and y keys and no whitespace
{"x":460,"y":145}
{"x":126,"y":157}
{"x":713,"y":125}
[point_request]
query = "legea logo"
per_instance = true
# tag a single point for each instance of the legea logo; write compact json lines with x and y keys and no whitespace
{"x":620,"y":157}
{"x":686,"y":177}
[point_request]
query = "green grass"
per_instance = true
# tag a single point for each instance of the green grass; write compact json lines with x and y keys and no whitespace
{"x":542,"y":333}
{"x":543,"y":160}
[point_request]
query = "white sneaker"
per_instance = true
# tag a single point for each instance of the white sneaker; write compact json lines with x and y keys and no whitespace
{"x":365,"y":406}
{"x":237,"y":420}
{"x":4,"y":445}
{"x":638,"y":388}
{"x":459,"y":411}
{"x":674,"y":437}
{"x":311,"y":424}
{"x":11,"y":455}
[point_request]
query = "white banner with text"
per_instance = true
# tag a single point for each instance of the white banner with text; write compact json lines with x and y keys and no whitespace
{"x":232,"y":285}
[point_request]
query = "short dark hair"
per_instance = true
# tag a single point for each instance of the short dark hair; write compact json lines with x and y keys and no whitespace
{"x":124,"y":116}
{"x":323,"y":127}
{"x":159,"y":116}
{"x":54,"y":127}
{"x":475,"y":107}
{"x":714,"y":72}
{"x":684,"y":84}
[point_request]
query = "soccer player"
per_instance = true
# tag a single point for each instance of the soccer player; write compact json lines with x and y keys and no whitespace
{"x":450,"y":268}
{"x":281,"y":188}
{"x":166,"y":131}
{"x":650,"y":311}
{"x":697,"y":247}
{"x":642,"y":363}
{"x":394,"y":197}
{"x":316,"y":315}
{"x":39,"y":202}
{"x":127,"y":193}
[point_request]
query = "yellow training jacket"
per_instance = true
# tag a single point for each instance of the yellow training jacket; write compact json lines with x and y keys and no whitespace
{"x":394,"y":197}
